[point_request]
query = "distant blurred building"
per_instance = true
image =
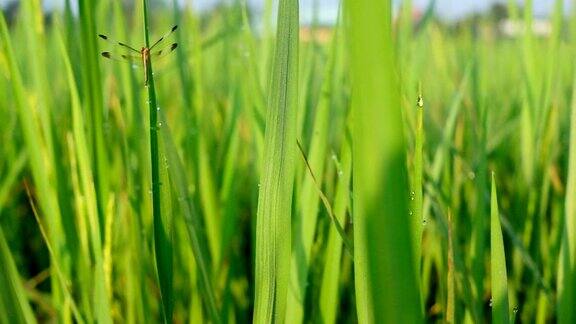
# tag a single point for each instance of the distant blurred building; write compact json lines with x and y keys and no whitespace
{"x":515,"y":28}
{"x":320,"y":34}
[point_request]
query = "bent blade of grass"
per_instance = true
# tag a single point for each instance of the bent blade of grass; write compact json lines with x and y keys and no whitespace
{"x":191,"y":217}
{"x":337,"y":225}
{"x":385,"y":273}
{"x":499,"y":278}
{"x":62,"y":280}
{"x":566,"y":281}
{"x":273,"y":221}
{"x":310,"y":193}
{"x":329,"y":297}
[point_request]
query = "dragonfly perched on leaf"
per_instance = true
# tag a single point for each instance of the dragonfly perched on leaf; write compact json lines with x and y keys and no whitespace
{"x":143,"y":55}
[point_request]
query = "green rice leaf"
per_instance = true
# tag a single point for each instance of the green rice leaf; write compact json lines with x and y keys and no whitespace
{"x":277,"y":173}
{"x":385,"y":274}
{"x":500,"y":312}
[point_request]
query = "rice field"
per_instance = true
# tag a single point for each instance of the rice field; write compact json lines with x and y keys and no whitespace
{"x":389,"y":168}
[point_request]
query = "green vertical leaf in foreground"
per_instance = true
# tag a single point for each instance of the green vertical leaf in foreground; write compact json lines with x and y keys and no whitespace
{"x":162,"y":223}
{"x":275,"y":196}
{"x":567,"y":268}
{"x":499,"y":278}
{"x":385,"y":273}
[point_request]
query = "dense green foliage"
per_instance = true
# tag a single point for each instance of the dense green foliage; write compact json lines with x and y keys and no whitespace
{"x":327,"y":174}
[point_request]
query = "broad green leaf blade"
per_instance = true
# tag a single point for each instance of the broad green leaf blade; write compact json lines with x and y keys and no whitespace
{"x":499,"y":278}
{"x":273,"y":219}
{"x":386,"y":276}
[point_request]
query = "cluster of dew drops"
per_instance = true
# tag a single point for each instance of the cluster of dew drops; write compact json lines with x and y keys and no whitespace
{"x":515,"y":309}
{"x":411,"y":213}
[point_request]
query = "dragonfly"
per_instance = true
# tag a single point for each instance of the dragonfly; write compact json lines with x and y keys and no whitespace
{"x":142,"y":56}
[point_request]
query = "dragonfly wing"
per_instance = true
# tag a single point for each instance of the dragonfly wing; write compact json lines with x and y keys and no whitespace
{"x":114,"y":42}
{"x":163,"y":52}
{"x":172,"y":30}
{"x":134,"y":59}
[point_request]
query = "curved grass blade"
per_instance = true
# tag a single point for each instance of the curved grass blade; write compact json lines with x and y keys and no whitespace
{"x":310,"y":192}
{"x":197,"y":238}
{"x":63,"y":281}
{"x":329,"y":295}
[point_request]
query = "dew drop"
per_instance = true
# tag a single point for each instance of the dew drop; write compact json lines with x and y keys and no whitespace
{"x":471,"y":175}
{"x":340,"y":173}
{"x":490,"y":302}
{"x":424,"y":222}
{"x":515,"y":310}
{"x":410,"y":213}
{"x":157,"y":108}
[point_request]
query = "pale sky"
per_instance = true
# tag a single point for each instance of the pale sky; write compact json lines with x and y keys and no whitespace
{"x":449,"y":9}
